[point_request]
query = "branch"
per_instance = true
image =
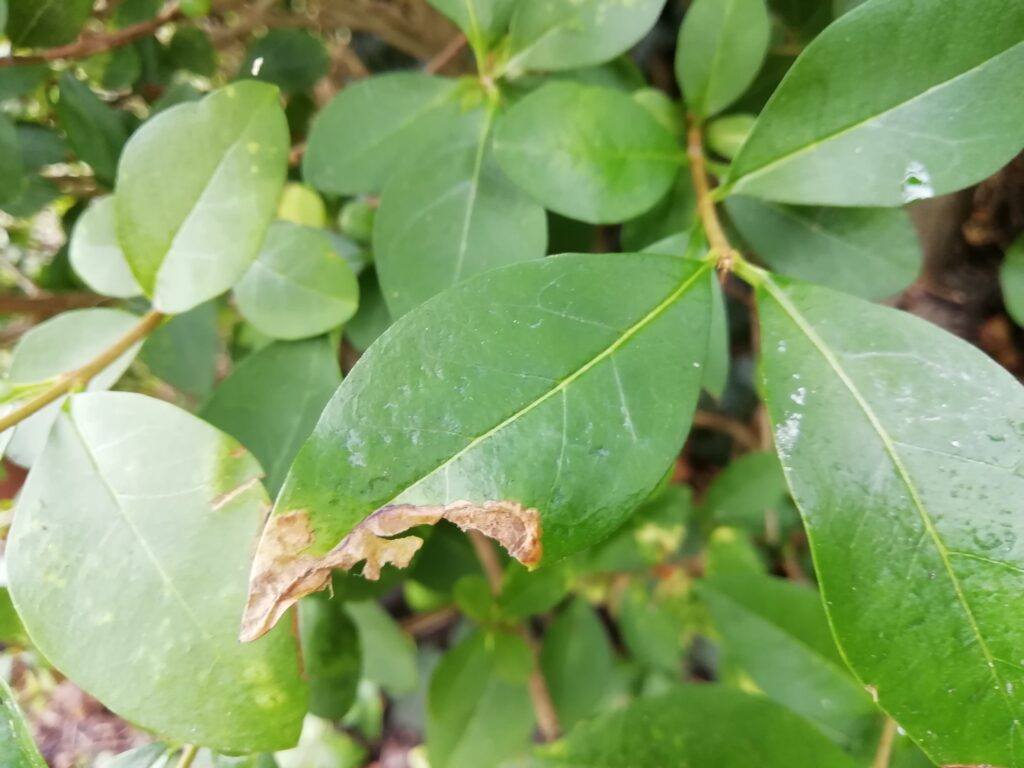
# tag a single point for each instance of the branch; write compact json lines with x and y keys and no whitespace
{"x":188,"y":754}
{"x":705,"y":204}
{"x":885,"y":744}
{"x":84,"y":47}
{"x":79,"y":377}
{"x":48,"y":304}
{"x":446,"y":55}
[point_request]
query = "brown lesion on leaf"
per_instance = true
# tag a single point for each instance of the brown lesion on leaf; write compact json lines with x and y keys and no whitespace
{"x":282,"y":573}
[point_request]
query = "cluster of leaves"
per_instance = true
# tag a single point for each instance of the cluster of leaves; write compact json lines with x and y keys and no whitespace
{"x":541,"y":400}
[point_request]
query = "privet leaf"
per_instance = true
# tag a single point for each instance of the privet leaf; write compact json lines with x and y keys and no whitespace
{"x":17,"y":750}
{"x":904,"y":448}
{"x":272,"y":399}
{"x":565,"y":34}
{"x":45,"y":23}
{"x":696,"y":725}
{"x":483,"y":21}
{"x":910,"y":98}
{"x":449,"y":217}
{"x":184,"y":350}
{"x":388,"y":653}
{"x":869,"y":252}
{"x":537,"y":417}
{"x":1011,"y":276}
{"x":371,"y":127}
{"x":372,"y":318}
{"x":176,"y":504}
{"x":674,"y":213}
{"x":95,"y":254}
{"x":94,"y":130}
{"x":776,"y":631}
{"x":190,"y":230}
{"x":722,"y":44}
{"x":587,"y":152}
{"x":291,"y":59}
{"x":61,"y":344}
{"x":743,"y":493}
{"x":330,"y":654}
{"x":298,"y":286}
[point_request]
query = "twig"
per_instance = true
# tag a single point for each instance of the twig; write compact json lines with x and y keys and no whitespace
{"x":79,"y":377}
{"x":188,"y":754}
{"x":543,"y":706}
{"x":717,"y":422}
{"x":90,"y":45}
{"x":426,"y":623}
{"x":884,"y":751}
{"x":705,"y":204}
{"x":445,"y":55}
{"x":42,"y":304}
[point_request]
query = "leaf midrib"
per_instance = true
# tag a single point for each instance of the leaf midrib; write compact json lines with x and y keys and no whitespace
{"x":776,"y":292}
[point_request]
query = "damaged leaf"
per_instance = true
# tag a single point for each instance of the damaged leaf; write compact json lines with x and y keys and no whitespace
{"x":538,"y":404}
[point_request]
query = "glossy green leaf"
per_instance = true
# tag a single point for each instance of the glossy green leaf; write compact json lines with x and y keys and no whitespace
{"x":389,"y":654}
{"x":1011,"y":277}
{"x":903,"y":447}
{"x":745,"y":492}
{"x":526,"y":592}
{"x":448,"y":217}
{"x":45,"y":23}
{"x":776,"y":631}
{"x":722,"y":44}
{"x":577,"y":662}
{"x":869,"y":252}
{"x":298,"y":286}
{"x":478,"y":708}
{"x":696,"y":725}
{"x":95,"y":254}
{"x":910,"y":98}
{"x":95,"y":131}
{"x":271,"y":401}
{"x":373,"y":126}
{"x":716,"y":366}
{"x":301,"y":204}
{"x":546,"y":388}
{"x":17,"y":750}
{"x":184,"y":351}
{"x":483,"y":21}
{"x":190,"y":230}
{"x":12,"y":170}
{"x":291,"y":59}
{"x":176,"y":505}
{"x":331,"y":656}
{"x":586,"y":152}
{"x":61,"y":344}
{"x":727,"y":135}
{"x":564,"y":34}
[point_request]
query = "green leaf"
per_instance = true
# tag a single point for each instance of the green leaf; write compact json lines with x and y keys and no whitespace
{"x":272,"y":399}
{"x":12,"y":172}
{"x":94,"y":130}
{"x":744,"y":492}
{"x":191,"y":49}
{"x":1011,"y":277}
{"x":61,"y":344}
{"x":21,"y":80}
{"x":298,"y":286}
{"x":301,"y":204}
{"x":726,"y":135}
{"x":321,"y":746}
{"x":478,"y":707}
{"x":652,"y":629}
{"x":183,"y":351}
{"x":291,"y":59}
{"x":373,"y":126}
{"x":589,"y":153}
{"x":716,"y":367}
{"x":372,"y":318}
{"x":722,"y":44}
{"x":564,"y":34}
{"x":12,"y":632}
{"x":448,"y":217}
{"x":578,"y":663}
{"x":526,"y":592}
{"x":910,"y":98}
{"x":483,"y":21}
{"x":776,"y":631}
{"x":45,"y":23}
{"x":17,"y":750}
{"x":331,"y":655}
{"x":40,"y":145}
{"x":538,"y":403}
{"x":676,"y":212}
{"x":389,"y":654}
{"x":903,"y":447}
{"x":176,"y":504}
{"x":732,"y":551}
{"x":696,"y":725}
{"x":95,"y":254}
{"x":190,"y":230}
{"x":869,"y":252}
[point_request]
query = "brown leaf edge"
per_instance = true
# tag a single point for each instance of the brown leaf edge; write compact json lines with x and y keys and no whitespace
{"x":281,"y":573}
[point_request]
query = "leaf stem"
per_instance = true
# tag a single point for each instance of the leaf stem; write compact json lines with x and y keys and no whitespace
{"x":78,"y":378}
{"x":717,"y":239}
{"x":188,"y":754}
{"x":884,"y":751}
{"x":540,"y":695}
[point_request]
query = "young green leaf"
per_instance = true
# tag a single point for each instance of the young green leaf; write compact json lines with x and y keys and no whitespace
{"x":12,"y":171}
{"x":483,"y":21}
{"x":537,"y":418}
{"x":869,"y":252}
{"x":652,"y":629}
{"x":94,"y":130}
{"x":45,"y":23}
{"x":389,"y":654}
{"x":184,"y":351}
{"x":95,"y":254}
{"x":1011,"y":277}
{"x":696,"y":725}
{"x":565,"y":34}
{"x":331,"y":656}
{"x":448,"y":217}
{"x":17,"y":750}
{"x":776,"y":631}
{"x":586,"y":152}
{"x":722,"y":44}
{"x":371,"y":127}
{"x":176,"y":505}
{"x":298,"y":286}
{"x":478,"y":708}
{"x":272,"y":399}
{"x":291,"y":59}
{"x":894,"y":102}
{"x":190,"y":230}
{"x":727,"y":135}
{"x":903,"y":447}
